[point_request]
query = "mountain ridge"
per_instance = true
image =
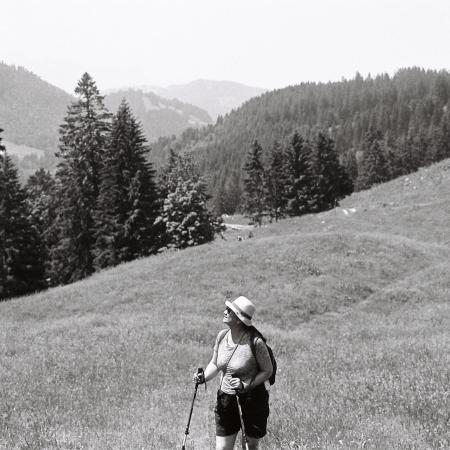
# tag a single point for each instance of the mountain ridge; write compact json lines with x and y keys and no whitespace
{"x":218,"y":97}
{"x":410,"y":109}
{"x":159,"y":116}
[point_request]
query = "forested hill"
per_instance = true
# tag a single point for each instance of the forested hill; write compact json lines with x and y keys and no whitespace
{"x":410,"y":109}
{"x":31,"y":109}
{"x":159,"y":116}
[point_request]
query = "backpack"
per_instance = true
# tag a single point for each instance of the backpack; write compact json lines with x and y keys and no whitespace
{"x":255,"y":334}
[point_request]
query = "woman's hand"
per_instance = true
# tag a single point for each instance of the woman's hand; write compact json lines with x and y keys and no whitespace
{"x":236,"y":384}
{"x":199,"y":377}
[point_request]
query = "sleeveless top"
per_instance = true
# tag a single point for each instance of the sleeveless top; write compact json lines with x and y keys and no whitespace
{"x":242,"y":364}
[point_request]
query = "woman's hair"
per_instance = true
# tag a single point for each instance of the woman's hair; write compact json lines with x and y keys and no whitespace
{"x":255,"y":332}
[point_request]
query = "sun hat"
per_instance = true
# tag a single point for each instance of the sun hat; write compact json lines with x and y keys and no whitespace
{"x":243,"y":308}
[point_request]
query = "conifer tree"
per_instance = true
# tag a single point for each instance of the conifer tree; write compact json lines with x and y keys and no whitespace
{"x":441,"y":139}
{"x":276,"y":182}
{"x":298,"y":177}
{"x":228,"y":194}
{"x":127,"y":204}
{"x":21,"y":266}
{"x":255,"y":193}
{"x":185,"y":217}
{"x":331,"y":182}
{"x":40,"y":190}
{"x":83,"y":138}
{"x":373,"y":168}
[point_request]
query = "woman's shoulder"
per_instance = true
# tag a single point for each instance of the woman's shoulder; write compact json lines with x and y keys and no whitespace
{"x":221,"y":335}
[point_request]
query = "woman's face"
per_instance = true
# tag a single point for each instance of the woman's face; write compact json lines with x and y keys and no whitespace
{"x":229,"y":317}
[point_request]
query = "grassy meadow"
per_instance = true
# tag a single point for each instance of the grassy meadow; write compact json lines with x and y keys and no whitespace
{"x":354,"y":301}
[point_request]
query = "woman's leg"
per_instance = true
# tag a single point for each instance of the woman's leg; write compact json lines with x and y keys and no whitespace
{"x":225,"y":442}
{"x":252,"y":443}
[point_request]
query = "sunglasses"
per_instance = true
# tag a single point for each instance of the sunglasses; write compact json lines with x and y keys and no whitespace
{"x":228,"y":310}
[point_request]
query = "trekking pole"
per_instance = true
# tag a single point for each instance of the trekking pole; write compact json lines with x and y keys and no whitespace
{"x":200,"y":374}
{"x":244,"y":435}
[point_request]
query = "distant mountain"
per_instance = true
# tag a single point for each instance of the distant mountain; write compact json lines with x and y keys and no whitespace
{"x":159,"y":116}
{"x":216,"y":97}
{"x":20,"y":151}
{"x":31,"y":109}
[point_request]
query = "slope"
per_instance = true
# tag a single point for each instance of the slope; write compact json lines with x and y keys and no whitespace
{"x":354,"y":301}
{"x":410,"y":109}
{"x":31,"y":109}
{"x":159,"y":116}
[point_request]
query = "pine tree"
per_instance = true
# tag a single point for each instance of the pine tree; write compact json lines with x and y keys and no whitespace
{"x":297,"y":176}
{"x":373,"y":168}
{"x":255,"y":193}
{"x":21,"y":266}
{"x":185,"y":217}
{"x":331,"y":182}
{"x":127,"y":204}
{"x":276,"y":182}
{"x":41,"y":199}
{"x":83,"y":137}
{"x":226,"y":198}
{"x":441,"y":139}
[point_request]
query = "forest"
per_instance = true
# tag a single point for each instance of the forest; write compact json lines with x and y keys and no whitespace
{"x":409,"y":112}
{"x":298,"y":150}
{"x":103,"y":205}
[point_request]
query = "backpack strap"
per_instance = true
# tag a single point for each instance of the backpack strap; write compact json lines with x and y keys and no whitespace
{"x":253,"y":341}
{"x":222,"y":334}
{"x":229,"y":359}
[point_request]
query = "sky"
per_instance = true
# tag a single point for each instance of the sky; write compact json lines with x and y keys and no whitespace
{"x":262,"y":43}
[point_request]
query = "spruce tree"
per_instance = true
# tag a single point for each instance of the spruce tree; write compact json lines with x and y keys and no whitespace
{"x":441,"y":139}
{"x":373,"y":168}
{"x":21,"y":265}
{"x":41,"y":199}
{"x":185,"y":218}
{"x":83,"y":137}
{"x":330,"y":180}
{"x":127,"y":204}
{"x":276,"y":182}
{"x":255,"y":193}
{"x":297,"y":176}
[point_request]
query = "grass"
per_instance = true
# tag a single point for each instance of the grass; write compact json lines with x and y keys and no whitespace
{"x":354,"y":302}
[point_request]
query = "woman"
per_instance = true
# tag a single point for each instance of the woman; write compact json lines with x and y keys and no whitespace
{"x":242,"y":373}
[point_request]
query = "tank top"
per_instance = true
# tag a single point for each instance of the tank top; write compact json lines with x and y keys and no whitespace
{"x":242,"y":363}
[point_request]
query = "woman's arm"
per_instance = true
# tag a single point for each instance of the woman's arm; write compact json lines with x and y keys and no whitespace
{"x":211,"y":371}
{"x":260,"y":378}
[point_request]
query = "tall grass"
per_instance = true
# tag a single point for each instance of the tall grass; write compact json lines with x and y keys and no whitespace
{"x":355,"y":306}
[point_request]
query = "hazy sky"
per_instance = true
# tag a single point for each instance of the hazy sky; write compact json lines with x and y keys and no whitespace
{"x":266,"y":43}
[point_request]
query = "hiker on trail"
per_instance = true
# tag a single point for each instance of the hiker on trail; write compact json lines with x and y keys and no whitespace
{"x":242,"y":358}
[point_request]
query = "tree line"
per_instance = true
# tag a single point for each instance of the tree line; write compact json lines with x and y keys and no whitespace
{"x":409,"y":112}
{"x":305,"y":177}
{"x":103,"y":206}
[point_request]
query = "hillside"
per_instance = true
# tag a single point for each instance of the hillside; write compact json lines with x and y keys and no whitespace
{"x":216,"y":97}
{"x":31,"y":109}
{"x":20,"y":151}
{"x":411,"y":110}
{"x":159,"y":116}
{"x":354,"y":302}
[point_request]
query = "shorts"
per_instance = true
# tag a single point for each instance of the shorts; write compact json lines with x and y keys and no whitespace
{"x":255,"y":411}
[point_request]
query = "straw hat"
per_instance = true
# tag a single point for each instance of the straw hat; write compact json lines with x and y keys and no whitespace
{"x":243,"y":308}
